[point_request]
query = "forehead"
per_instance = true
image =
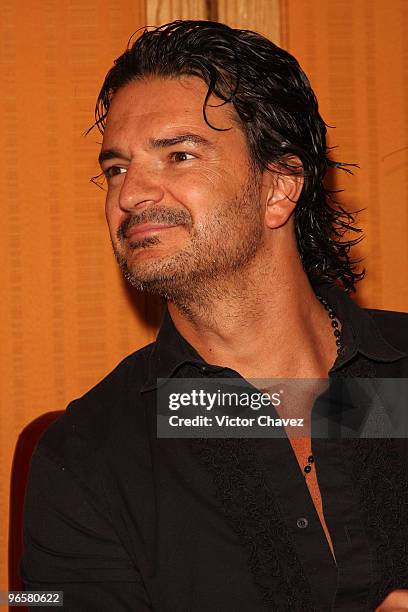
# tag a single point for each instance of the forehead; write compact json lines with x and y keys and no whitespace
{"x":154,"y":103}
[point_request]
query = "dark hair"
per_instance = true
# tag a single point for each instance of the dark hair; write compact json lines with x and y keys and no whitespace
{"x":275,"y":106}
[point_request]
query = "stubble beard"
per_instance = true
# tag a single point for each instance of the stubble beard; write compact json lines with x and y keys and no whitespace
{"x":220,"y":247}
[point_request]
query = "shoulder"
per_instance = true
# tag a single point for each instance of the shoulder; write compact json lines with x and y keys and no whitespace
{"x":392,"y":325}
{"x":94,"y":421}
{"x":72,"y":494}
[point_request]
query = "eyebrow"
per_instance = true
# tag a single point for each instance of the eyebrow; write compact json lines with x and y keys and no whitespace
{"x":110,"y":154}
{"x":160,"y":143}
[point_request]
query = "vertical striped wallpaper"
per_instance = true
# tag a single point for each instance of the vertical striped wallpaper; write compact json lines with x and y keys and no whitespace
{"x":356,"y":55}
{"x":65,"y":313}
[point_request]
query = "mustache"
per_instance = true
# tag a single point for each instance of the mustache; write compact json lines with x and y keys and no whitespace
{"x":154,"y":215}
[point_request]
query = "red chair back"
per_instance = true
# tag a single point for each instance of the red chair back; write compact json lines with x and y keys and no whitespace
{"x":26,"y":444}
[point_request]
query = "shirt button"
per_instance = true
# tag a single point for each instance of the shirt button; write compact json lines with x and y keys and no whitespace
{"x":204,"y":370}
{"x":302,"y":522}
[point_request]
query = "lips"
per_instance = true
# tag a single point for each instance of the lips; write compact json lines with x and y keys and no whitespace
{"x":146,"y":229}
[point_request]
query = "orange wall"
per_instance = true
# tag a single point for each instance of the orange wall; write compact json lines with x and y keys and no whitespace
{"x":356,"y":55}
{"x":65,"y":314}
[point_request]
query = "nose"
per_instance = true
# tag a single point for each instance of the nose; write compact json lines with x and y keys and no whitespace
{"x":139,"y":188}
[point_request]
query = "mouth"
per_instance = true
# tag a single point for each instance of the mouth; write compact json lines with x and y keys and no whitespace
{"x":137,"y":232}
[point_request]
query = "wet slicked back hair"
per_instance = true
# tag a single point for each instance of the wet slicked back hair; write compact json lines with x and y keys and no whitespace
{"x":275,"y":107}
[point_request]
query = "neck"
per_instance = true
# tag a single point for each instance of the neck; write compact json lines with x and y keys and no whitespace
{"x":261,"y":323}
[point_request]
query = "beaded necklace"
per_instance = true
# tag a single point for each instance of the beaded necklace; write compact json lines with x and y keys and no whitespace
{"x":335,"y":325}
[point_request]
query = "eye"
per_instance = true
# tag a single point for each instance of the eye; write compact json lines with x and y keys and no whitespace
{"x":181,"y":156}
{"x":114,"y":171}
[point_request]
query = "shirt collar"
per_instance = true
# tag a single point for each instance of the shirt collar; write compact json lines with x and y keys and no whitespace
{"x":169,"y":352}
{"x":359,"y":334}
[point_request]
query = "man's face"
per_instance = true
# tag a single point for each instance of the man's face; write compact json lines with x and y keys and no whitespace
{"x":183,"y":203}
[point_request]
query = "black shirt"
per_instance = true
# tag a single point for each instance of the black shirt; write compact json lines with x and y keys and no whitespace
{"x":119,"y":519}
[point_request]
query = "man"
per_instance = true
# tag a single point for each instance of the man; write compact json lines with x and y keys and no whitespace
{"x":214,"y":155}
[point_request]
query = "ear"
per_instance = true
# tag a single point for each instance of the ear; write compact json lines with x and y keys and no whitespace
{"x":283,"y":192}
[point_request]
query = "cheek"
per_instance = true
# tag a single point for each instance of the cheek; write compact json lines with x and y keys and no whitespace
{"x":190,"y":196}
{"x":218,"y":183}
{"x":201,"y":194}
{"x":112,"y":215}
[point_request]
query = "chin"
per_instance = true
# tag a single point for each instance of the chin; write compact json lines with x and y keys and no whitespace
{"x":168,"y":288}
{"x":156,"y":274}
{"x":176,"y":277}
